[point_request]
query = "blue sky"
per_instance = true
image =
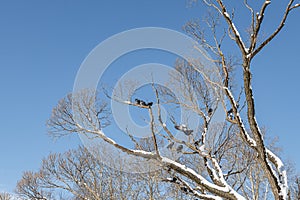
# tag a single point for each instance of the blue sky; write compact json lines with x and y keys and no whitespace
{"x":43,"y":43}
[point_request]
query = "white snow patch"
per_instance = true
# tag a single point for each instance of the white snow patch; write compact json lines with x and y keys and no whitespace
{"x":236,"y":31}
{"x":226,"y":15}
{"x":259,"y":17}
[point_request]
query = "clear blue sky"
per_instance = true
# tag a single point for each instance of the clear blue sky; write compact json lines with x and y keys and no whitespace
{"x":42,"y":44}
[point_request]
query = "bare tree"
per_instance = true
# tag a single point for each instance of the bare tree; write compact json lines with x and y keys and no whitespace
{"x":230,"y":161}
{"x":76,"y":174}
{"x":5,"y":196}
{"x":294,"y":190}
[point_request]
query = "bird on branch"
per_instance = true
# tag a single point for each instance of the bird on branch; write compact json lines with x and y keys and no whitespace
{"x":210,"y":112}
{"x":170,"y":146}
{"x":140,"y":102}
{"x":184,"y":129}
{"x":179,"y":148}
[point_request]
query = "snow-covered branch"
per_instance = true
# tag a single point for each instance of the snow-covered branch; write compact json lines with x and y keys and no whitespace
{"x":289,"y":8}
{"x":257,"y":25}
{"x":235,"y":31}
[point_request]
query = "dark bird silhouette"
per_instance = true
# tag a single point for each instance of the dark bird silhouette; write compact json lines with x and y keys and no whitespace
{"x":137,"y":101}
{"x":143,"y":103}
{"x":184,"y":129}
{"x":150,"y":104}
{"x":197,"y":143}
{"x":184,"y":189}
{"x":174,"y":180}
{"x":179,"y":148}
{"x":210,"y":111}
{"x":229,"y":112}
{"x":170,"y":146}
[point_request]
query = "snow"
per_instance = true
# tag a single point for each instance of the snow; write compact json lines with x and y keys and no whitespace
{"x":283,"y":186}
{"x":279,"y":163}
{"x":226,"y":15}
{"x":201,"y":180}
{"x":248,"y":138}
{"x":202,"y":147}
{"x":204,"y":135}
{"x":169,"y":179}
{"x":259,"y":17}
{"x":143,"y":152}
{"x":282,"y":173}
{"x":236,"y":31}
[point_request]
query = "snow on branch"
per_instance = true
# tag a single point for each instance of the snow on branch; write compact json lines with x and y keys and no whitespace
{"x":236,"y":33}
{"x":225,"y":191}
{"x":258,"y":22}
{"x":289,"y":8}
{"x":247,"y":138}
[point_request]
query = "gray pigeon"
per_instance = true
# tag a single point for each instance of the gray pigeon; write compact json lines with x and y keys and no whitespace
{"x":170,"y":146}
{"x":184,"y":129}
{"x":179,"y":148}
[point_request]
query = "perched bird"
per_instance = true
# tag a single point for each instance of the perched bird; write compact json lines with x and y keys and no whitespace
{"x":150,"y":104}
{"x":137,"y":101}
{"x":210,"y":111}
{"x":184,"y":129}
{"x":170,"y":146}
{"x":184,"y":189}
{"x":229,"y":112}
{"x":174,"y":180}
{"x":180,"y":127}
{"x":188,"y":132}
{"x":143,"y":103}
{"x":197,"y":142}
{"x":179,"y":148}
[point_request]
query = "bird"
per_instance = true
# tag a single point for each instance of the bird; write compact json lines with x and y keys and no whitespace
{"x":137,"y":101}
{"x":180,"y":127}
{"x":188,"y":132}
{"x":150,"y":104}
{"x":197,"y":142}
{"x":179,"y":148}
{"x":170,"y":146}
{"x":184,"y":129}
{"x":184,"y":189}
{"x":174,"y":180}
{"x":210,"y":111}
{"x":230,"y":113}
{"x":143,"y":103}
